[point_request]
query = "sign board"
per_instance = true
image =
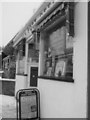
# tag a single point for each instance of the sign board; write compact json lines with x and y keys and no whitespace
{"x":28,"y":104}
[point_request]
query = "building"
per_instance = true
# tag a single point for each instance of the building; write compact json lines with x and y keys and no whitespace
{"x":27,"y":58}
{"x":9,"y":67}
{"x":63,"y":92}
{"x":9,"y":61}
{"x":58,"y":30}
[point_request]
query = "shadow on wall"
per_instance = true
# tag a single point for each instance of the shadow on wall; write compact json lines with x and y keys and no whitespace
{"x":7,"y":88}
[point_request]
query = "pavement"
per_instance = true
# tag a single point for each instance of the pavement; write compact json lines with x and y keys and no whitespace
{"x":7,"y":107}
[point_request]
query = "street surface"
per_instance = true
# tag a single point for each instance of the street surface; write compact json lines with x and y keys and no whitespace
{"x":7,"y":107}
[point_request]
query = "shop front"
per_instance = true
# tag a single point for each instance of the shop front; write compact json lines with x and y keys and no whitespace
{"x":62,"y":79}
{"x":62,"y":65}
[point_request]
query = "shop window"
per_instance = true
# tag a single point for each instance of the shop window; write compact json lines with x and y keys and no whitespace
{"x":56,"y":44}
{"x":21,"y":56}
{"x":58,"y":59}
{"x":21,"y":66}
{"x":33,"y":53}
{"x":21,"y":48}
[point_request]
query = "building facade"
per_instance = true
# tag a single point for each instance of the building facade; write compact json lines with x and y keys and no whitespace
{"x":27,"y":59}
{"x":55,"y":42}
{"x":65,"y":96}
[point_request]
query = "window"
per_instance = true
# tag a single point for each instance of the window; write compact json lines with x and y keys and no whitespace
{"x":56,"y":45}
{"x":33,"y":53}
{"x":58,"y":59}
{"x":21,"y":48}
{"x":21,"y":66}
{"x":21,"y":56}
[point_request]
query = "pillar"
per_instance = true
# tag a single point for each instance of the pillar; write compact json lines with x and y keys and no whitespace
{"x":41,"y":54}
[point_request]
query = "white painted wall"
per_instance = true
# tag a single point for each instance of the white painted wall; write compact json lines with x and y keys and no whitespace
{"x":80,"y":60}
{"x":69,"y":100}
{"x":20,"y":82}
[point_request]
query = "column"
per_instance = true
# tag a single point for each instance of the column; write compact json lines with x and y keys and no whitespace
{"x":41,"y":54}
{"x":17,"y":63}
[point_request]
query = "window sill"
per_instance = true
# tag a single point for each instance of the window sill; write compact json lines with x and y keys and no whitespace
{"x":61,"y":79}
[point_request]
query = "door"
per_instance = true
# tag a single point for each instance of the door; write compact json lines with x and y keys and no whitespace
{"x":33,"y":76}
